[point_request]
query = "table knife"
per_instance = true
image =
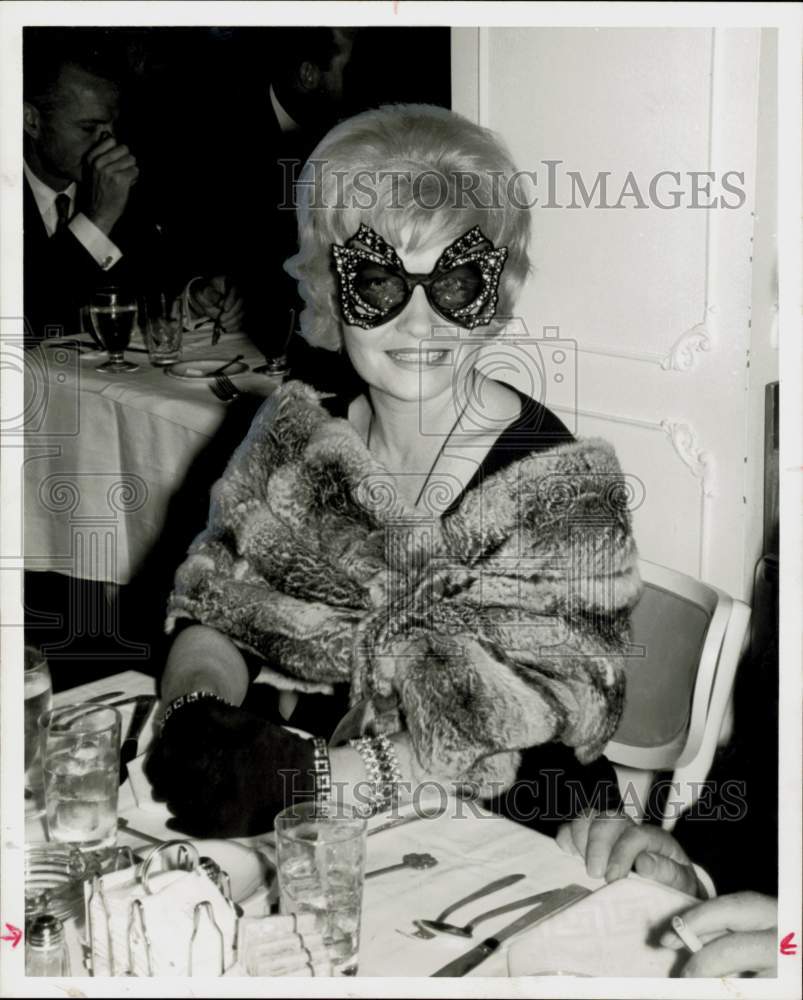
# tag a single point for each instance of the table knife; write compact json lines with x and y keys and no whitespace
{"x":128,"y":750}
{"x":553,"y":902}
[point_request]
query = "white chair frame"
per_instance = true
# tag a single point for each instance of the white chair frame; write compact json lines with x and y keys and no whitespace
{"x":690,"y":756}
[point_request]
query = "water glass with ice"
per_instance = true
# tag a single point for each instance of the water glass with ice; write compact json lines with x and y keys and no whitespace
{"x":80,"y":748}
{"x":321,"y":861}
{"x":163,"y":327}
{"x":38,"y":698}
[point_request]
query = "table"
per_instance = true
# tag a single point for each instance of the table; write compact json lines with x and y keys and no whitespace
{"x":105,"y":454}
{"x":473,"y":847}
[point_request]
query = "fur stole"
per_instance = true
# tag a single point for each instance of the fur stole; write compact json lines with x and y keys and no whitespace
{"x":492,"y":629}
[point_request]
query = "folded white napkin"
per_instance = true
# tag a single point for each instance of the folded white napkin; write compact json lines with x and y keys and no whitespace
{"x":283,"y":946}
{"x":168,"y":912}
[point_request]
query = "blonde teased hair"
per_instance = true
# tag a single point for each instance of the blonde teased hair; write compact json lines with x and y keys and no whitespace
{"x":412,"y":168}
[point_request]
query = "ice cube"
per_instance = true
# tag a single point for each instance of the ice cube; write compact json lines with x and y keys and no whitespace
{"x":65,"y":765}
{"x":97,"y":786}
{"x":87,"y":752}
{"x":78,"y":816}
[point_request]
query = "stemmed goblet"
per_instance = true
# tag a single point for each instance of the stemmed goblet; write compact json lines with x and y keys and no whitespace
{"x":114,"y":312}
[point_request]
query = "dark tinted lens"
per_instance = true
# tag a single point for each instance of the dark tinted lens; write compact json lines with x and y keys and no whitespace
{"x":459,"y":287}
{"x":379,"y":287}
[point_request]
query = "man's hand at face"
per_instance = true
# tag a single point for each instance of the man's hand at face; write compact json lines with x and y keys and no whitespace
{"x":111,"y":172}
{"x":613,"y":845}
{"x":218,"y":300}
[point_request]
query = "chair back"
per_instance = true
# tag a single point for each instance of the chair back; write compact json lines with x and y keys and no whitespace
{"x":677,"y":631}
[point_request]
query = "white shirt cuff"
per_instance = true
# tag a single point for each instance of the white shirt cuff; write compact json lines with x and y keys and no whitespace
{"x":95,"y":242}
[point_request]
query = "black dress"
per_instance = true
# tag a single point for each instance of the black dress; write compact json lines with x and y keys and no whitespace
{"x":551,"y":787}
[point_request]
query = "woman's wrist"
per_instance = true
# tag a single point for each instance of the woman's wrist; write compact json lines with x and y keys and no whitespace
{"x":184,"y":700}
{"x":351,"y":780}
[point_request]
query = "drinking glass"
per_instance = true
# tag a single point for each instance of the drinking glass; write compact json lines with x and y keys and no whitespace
{"x":163,"y":331}
{"x":38,"y":698}
{"x":321,"y":861}
{"x":114,"y":313}
{"x":80,"y":746}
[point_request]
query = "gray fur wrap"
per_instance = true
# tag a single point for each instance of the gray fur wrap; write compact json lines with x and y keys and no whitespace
{"x":494,"y":628}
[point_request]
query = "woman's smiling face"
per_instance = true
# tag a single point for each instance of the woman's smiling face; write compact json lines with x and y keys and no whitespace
{"x":413,"y":355}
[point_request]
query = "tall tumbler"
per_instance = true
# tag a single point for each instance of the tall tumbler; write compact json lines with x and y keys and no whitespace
{"x":321,"y":860}
{"x":80,"y":746}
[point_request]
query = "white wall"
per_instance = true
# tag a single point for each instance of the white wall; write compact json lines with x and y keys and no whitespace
{"x":658,"y":301}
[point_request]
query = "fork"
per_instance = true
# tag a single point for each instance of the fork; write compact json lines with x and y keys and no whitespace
{"x":224,"y":389}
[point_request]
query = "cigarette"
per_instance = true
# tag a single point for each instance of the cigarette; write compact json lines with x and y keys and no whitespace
{"x":686,"y":934}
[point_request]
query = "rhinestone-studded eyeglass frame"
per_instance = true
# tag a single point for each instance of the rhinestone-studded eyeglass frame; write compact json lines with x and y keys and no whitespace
{"x":470,"y":248}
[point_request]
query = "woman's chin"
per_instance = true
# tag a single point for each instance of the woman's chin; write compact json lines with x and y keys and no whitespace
{"x":416,"y":386}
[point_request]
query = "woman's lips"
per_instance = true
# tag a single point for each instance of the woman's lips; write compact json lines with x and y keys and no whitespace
{"x":415,"y":359}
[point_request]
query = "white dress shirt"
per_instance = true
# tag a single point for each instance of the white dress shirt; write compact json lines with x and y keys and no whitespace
{"x":95,"y":241}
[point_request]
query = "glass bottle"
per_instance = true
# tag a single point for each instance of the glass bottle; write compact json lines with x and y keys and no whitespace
{"x":45,"y":947}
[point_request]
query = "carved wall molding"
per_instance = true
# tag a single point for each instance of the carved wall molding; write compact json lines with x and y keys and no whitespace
{"x":681,"y":355}
{"x":697,"y":461}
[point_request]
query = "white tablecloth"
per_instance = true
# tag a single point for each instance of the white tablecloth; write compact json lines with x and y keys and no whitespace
{"x":472,"y":848}
{"x":106,"y":453}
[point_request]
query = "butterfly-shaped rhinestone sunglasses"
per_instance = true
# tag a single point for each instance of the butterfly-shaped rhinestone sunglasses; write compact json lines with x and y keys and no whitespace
{"x":374,"y":286}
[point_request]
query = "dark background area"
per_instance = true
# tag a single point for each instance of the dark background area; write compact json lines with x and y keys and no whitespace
{"x":174,"y":74}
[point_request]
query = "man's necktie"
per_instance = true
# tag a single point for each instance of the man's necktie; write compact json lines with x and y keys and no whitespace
{"x":63,"y":211}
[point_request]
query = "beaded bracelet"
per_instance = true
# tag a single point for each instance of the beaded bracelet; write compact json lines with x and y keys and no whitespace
{"x":188,"y":699}
{"x":321,"y":771}
{"x":382,"y":766}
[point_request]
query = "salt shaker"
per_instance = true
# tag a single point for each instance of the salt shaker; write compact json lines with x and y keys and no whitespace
{"x":45,"y":947}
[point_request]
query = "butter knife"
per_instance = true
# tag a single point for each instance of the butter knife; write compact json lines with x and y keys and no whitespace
{"x":552,"y":903}
{"x":128,"y":750}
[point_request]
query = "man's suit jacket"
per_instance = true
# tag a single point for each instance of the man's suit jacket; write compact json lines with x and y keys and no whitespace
{"x":231,"y":212}
{"x":60,"y":275}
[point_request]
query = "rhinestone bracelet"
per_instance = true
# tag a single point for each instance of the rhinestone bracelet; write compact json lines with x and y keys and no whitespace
{"x":382,"y":766}
{"x":321,"y":771}
{"x":188,"y":699}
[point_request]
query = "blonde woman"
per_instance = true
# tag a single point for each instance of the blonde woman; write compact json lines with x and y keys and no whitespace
{"x":416,"y":568}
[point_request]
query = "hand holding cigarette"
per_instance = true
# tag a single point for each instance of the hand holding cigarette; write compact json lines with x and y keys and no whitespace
{"x":728,"y":936}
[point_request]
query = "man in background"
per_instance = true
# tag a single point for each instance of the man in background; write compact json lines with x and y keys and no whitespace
{"x":78,"y":184}
{"x":84,"y":224}
{"x":234,"y":158}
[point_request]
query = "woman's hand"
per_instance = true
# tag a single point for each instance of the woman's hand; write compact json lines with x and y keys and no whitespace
{"x":225,"y":772}
{"x":739,"y":934}
{"x":613,"y":845}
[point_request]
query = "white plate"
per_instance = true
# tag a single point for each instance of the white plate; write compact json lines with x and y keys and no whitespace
{"x":200,"y":369}
{"x":249,"y":870}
